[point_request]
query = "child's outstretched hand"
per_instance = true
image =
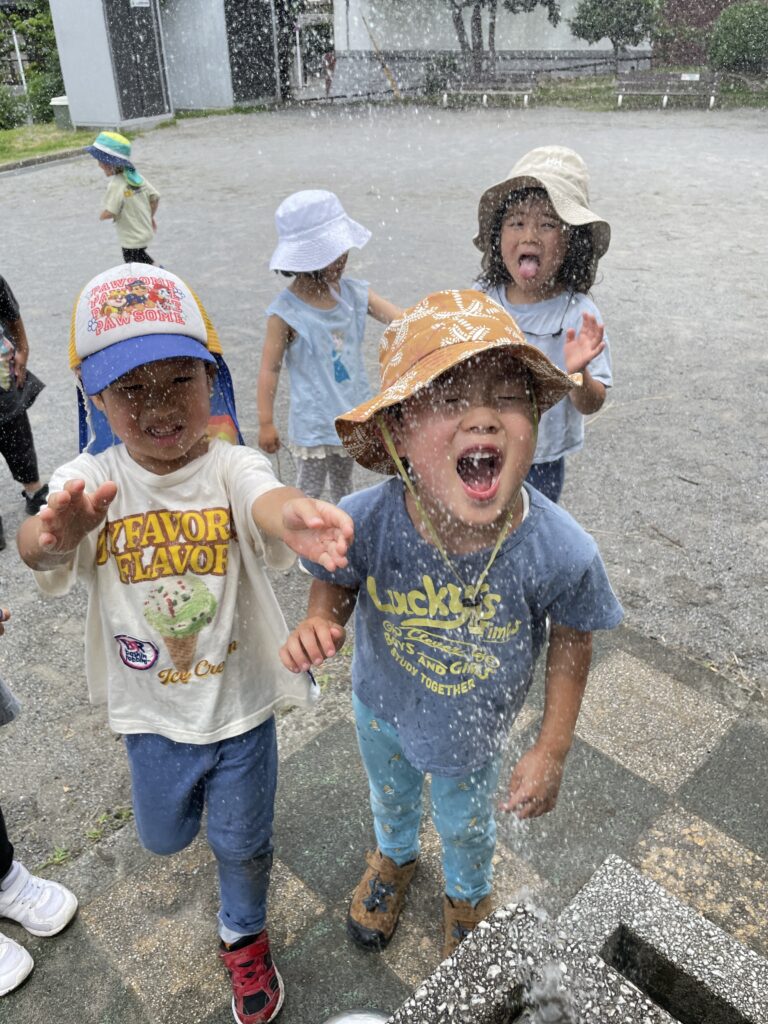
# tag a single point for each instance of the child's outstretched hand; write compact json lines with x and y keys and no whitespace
{"x":581,"y":348}
{"x":4,"y":616}
{"x":318,"y":531}
{"x":71,"y":514}
{"x":313,"y":640}
{"x":534,"y":784}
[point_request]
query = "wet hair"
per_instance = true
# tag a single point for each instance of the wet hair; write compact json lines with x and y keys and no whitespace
{"x":579,"y":267}
{"x":316,"y":275}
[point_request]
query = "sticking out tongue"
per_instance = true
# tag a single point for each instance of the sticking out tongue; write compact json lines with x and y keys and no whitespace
{"x":528,"y":267}
{"x":479,"y":473}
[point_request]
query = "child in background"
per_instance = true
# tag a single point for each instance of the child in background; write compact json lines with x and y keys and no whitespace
{"x":172,"y":531}
{"x":541,"y":245}
{"x":456,"y":567}
{"x":131,"y":202}
{"x":44,"y":908}
{"x":318,"y":325}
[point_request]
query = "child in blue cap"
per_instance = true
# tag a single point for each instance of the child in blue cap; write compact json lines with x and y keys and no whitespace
{"x":131,"y":202}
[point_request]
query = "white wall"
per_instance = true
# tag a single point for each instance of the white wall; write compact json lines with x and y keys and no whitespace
{"x":86,"y":64}
{"x":196,"y":54}
{"x":427,"y":24}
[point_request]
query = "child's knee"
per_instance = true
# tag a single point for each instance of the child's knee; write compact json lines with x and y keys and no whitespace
{"x":166,"y":843}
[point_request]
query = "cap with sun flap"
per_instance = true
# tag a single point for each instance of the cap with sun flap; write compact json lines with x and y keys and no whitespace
{"x":135,"y":314}
{"x":443,"y":330}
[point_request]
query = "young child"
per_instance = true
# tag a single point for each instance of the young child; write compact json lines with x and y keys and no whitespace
{"x":19,"y":388}
{"x":456,"y":568}
{"x":317,"y":324}
{"x":131,"y":202}
{"x":171,"y":531}
{"x":541,"y":245}
{"x":44,"y":908}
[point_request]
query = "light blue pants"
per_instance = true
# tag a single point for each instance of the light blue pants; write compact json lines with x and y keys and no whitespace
{"x":462,"y":809}
{"x":236,"y":779}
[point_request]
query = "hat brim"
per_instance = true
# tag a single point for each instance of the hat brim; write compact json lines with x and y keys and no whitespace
{"x":108,"y":158}
{"x":568,"y":210}
{"x":360,"y":434}
{"x":103,"y":368}
{"x":307,"y":254}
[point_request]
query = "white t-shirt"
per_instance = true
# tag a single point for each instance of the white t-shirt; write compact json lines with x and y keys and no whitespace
{"x":183,"y":628}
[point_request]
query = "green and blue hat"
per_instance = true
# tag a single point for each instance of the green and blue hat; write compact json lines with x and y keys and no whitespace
{"x":114,"y":149}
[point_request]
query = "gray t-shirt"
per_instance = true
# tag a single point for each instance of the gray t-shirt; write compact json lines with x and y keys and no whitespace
{"x":561,"y":428}
{"x":449,"y":681}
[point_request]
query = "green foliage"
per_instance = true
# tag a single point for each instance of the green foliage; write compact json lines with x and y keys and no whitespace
{"x":624,"y":22}
{"x":526,"y":6}
{"x":441,"y":72}
{"x":36,"y":29}
{"x":739,"y":40}
{"x":13,"y":109}
{"x":42,"y":86}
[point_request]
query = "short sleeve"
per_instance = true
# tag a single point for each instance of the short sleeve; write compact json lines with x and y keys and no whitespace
{"x":9,"y":307}
{"x":588,"y":602}
{"x":113,"y":200}
{"x":250,"y":476}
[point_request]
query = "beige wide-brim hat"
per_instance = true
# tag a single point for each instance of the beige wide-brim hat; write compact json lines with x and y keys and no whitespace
{"x":441,"y":331}
{"x":563,"y":175}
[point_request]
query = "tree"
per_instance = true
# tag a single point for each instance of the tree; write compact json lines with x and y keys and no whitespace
{"x":472,"y":45}
{"x":624,"y":22}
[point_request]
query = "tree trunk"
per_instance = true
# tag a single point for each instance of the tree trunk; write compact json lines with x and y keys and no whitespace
{"x":458,"y":24}
{"x":617,"y":57}
{"x":492,"y":35}
{"x":476,"y":26}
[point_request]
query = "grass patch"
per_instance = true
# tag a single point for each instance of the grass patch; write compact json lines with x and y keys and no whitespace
{"x":38,"y":140}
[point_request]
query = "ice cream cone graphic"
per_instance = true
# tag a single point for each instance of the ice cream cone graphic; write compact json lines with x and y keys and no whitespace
{"x":178,"y":609}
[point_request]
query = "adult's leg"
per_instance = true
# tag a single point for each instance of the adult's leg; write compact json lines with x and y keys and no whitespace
{"x":17,"y":447}
{"x":311,"y":476}
{"x":339,"y":476}
{"x":241,"y":800}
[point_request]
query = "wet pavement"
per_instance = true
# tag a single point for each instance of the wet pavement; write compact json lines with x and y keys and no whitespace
{"x":669,"y":766}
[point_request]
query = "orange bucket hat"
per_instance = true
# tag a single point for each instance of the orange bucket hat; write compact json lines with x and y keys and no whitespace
{"x":443,"y":330}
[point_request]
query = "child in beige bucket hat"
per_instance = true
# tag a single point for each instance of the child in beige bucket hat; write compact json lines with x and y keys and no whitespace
{"x":541,"y":243}
{"x":456,"y":568}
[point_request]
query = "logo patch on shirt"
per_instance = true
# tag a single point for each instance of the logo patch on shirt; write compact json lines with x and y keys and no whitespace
{"x":138,"y":654}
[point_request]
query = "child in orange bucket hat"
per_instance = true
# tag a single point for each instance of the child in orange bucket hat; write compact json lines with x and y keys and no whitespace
{"x":457,"y":572}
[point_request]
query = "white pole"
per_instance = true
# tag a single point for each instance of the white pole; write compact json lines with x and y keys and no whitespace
{"x":276,"y":51}
{"x":299,"y":68}
{"x":18,"y":58}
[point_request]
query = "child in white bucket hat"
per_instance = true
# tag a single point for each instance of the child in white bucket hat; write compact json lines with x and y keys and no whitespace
{"x":541,"y":244}
{"x":317,"y":325}
{"x":455,"y":568}
{"x":172,"y":531}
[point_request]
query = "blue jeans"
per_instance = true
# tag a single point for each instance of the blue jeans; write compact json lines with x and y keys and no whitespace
{"x":548,"y":478}
{"x":236,"y":778}
{"x":462,"y":809}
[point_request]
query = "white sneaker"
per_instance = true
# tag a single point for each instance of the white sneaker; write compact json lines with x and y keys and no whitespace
{"x":40,"y":906}
{"x":15,"y":964}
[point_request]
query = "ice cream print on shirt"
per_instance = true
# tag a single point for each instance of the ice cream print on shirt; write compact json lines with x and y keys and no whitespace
{"x":179,"y":559}
{"x":443,"y":643}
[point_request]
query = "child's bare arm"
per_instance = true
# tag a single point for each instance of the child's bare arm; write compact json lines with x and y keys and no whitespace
{"x":322,"y":632}
{"x":535,"y":781}
{"x":153,"y":204}
{"x":106,"y":215}
{"x":382,"y":309}
{"x":49,"y":538}
{"x":580,"y":350}
{"x":313,"y":529}
{"x":277,"y":338}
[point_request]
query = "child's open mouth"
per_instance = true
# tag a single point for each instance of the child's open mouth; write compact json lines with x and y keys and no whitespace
{"x":479,"y":470}
{"x":528,"y":266}
{"x":166,"y":435}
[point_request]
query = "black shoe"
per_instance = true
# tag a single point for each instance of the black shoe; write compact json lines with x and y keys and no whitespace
{"x":2,"y":536}
{"x":35,"y":502}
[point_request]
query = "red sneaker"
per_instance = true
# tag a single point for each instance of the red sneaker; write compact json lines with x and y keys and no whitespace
{"x":257,"y":988}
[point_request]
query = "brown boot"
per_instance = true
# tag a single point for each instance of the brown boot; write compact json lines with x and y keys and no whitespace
{"x":378,"y":900}
{"x":460,"y":918}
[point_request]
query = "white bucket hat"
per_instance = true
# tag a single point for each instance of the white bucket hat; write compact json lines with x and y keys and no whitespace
{"x":563,"y":175}
{"x":313,"y":231}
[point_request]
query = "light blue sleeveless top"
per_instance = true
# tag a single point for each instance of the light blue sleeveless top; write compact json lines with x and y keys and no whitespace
{"x":324,"y":361}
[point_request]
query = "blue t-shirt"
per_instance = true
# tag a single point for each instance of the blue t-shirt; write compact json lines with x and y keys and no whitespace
{"x":561,"y":428}
{"x":452,"y":683}
{"x":324,"y":361}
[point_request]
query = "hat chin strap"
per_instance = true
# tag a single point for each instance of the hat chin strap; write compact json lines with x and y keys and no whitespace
{"x":470,"y":592}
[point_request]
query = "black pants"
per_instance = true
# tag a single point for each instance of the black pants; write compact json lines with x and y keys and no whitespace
{"x":6,"y":849}
{"x":18,"y":449}
{"x":137,"y":256}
